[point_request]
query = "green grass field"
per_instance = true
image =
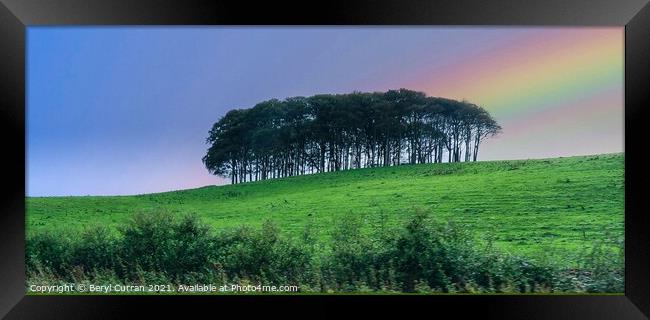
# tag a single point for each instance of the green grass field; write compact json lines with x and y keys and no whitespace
{"x":548,"y":207}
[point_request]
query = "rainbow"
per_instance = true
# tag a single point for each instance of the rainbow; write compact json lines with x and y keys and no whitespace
{"x":548,"y":72}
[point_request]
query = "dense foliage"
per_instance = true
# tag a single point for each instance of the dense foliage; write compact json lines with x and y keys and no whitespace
{"x":301,"y":135}
{"x":420,"y":256}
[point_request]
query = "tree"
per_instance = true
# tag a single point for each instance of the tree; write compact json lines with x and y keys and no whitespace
{"x":302,"y":135}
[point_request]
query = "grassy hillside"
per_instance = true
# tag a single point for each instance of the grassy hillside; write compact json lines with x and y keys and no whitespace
{"x":531,"y":207}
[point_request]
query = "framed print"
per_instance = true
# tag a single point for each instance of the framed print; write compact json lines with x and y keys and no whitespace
{"x":476,"y":157}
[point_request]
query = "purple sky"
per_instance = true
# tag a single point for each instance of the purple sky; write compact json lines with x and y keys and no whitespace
{"x":127,"y":110}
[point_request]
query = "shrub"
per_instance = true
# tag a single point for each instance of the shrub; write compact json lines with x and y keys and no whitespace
{"x":263,"y":256}
{"x":421,"y":256}
{"x":418,"y":256}
{"x":157,"y":242}
{"x":349,"y":259}
{"x":148,"y":242}
{"x":603,"y":270}
{"x":96,"y":250}
{"x":192,"y":248}
{"x":47,"y":252}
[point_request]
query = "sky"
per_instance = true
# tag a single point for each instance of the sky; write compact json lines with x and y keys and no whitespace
{"x":126,"y":110}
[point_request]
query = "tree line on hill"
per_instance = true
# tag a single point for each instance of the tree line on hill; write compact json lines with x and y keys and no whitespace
{"x":332,"y":132}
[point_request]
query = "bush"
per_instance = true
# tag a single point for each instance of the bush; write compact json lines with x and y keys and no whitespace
{"x":148,"y":242}
{"x":192,"y":248}
{"x":348,"y":263}
{"x":603,"y":270}
{"x":157,"y":242}
{"x":46,"y":252}
{"x":263,"y":256}
{"x":421,"y":256}
{"x":96,"y":250}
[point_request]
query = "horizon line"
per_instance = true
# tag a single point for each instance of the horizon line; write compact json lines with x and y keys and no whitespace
{"x":317,"y":173}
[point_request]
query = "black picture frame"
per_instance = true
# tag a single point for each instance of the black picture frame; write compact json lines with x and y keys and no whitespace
{"x":17,"y":15}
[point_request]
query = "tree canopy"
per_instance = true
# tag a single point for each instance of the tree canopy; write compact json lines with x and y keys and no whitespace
{"x":332,"y":132}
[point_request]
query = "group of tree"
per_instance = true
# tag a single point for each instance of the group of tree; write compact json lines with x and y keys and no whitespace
{"x":332,"y":132}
